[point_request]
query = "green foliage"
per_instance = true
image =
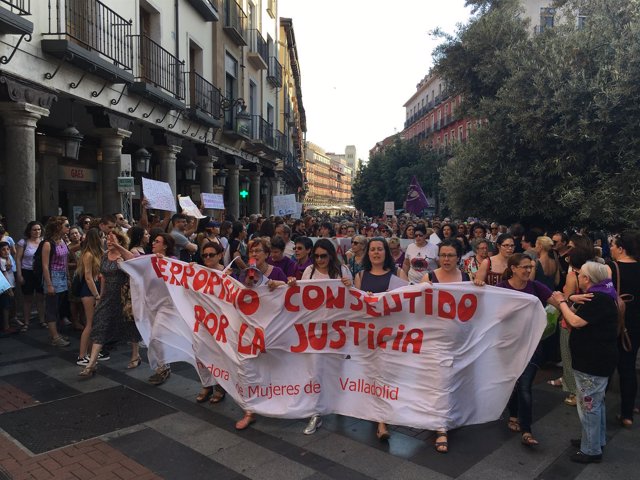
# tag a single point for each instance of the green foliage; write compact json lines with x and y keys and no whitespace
{"x":560,"y":144}
{"x":386,"y":177}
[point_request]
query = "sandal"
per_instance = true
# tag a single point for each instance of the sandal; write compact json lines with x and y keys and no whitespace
{"x":382,"y":433}
{"x":555,"y":383}
{"x":571,"y":400}
{"x":24,"y":328}
{"x":441,"y":446}
{"x":528,"y":440}
{"x":245,"y":421}
{"x":134,"y":363}
{"x":625,"y":422}
{"x":204,"y":394}
{"x":513,"y":424}
{"x":218,"y":395}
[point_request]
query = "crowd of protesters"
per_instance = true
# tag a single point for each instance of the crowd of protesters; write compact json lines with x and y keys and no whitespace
{"x":69,"y":274}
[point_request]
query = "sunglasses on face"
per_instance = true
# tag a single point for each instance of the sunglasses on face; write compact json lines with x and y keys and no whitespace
{"x":209,"y":255}
{"x":418,"y":235}
{"x":321,"y":256}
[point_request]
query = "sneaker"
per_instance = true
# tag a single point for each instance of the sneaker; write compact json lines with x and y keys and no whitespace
{"x":580,"y":457}
{"x":161,"y":375}
{"x":83,"y":361}
{"x":59,"y":341}
{"x":314,"y":424}
{"x":103,"y":355}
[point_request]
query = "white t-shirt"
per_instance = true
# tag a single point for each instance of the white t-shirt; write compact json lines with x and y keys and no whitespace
{"x":7,"y":272}
{"x":306,"y":275}
{"x":421,"y":260}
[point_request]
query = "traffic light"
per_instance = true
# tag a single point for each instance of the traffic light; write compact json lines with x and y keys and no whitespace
{"x":244,"y":194}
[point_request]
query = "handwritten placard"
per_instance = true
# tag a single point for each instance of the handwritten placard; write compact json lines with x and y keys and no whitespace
{"x":158,"y":194}
{"x":189,"y":208}
{"x":212,"y":200}
{"x":389,"y":208}
{"x":284,"y":204}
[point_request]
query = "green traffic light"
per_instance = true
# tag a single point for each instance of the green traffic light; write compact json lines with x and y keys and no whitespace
{"x":244,"y":193}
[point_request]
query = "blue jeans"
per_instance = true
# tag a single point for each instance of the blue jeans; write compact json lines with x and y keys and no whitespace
{"x":521,"y":401}
{"x":590,"y":391}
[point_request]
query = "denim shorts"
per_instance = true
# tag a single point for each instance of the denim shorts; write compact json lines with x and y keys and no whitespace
{"x":59,"y":280}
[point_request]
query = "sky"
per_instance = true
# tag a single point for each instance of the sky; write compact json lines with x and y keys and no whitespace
{"x":360,"y":61}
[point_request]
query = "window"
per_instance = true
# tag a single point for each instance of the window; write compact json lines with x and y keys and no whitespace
{"x":230,"y":87}
{"x":582,"y":20}
{"x":460,"y":133}
{"x":546,"y":18}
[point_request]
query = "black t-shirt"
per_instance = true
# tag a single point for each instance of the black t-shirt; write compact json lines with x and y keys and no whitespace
{"x":630,"y":283}
{"x":594,"y":347}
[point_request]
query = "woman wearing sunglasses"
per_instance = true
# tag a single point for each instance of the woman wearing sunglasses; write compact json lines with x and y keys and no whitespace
{"x":377,"y":276}
{"x":211,"y":255}
{"x":356,"y":254}
{"x":325,"y":266}
{"x":449,"y":252}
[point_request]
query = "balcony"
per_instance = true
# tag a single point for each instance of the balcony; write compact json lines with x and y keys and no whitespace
{"x":258,"y":50}
{"x":235,"y":21}
{"x":205,"y":100}
{"x":206,"y":8}
{"x":262,"y":131}
{"x":159,"y":75}
{"x":281,"y":143}
{"x":274,"y":75}
{"x":92,"y":37}
{"x":11,"y":17}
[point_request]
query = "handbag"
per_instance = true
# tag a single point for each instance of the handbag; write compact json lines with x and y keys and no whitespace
{"x":620,"y":301}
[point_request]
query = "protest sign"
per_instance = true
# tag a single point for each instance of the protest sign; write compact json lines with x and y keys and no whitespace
{"x":298,"y":212}
{"x":189,"y":208}
{"x":426,"y":356}
{"x":389,"y":208}
{"x":284,"y":204}
{"x":158,"y":194}
{"x":213,"y":200}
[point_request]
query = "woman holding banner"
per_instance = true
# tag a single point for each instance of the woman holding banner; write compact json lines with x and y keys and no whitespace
{"x":325,"y":266}
{"x":516,"y":277}
{"x":379,"y":274}
{"x":449,"y":251}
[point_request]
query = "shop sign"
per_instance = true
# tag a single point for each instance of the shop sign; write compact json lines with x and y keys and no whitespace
{"x":125,"y":185}
{"x":78,"y":174}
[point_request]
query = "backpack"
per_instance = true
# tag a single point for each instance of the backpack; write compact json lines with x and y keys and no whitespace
{"x":37,"y":261}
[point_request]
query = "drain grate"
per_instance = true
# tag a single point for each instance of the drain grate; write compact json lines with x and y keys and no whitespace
{"x":64,"y":422}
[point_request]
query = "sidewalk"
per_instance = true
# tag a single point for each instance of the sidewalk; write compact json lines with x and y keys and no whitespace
{"x":56,"y":425}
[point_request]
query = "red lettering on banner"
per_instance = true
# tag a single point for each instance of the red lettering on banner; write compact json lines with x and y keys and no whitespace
{"x":357,"y":295}
{"x":388,"y":310}
{"x":336,"y":301}
{"x":159,"y":265}
{"x":257,"y":342}
{"x":216,"y":326}
{"x":315,"y":301}
{"x":288,"y":305}
{"x":271,"y":390}
{"x":467,"y":307}
{"x":412,"y":296}
{"x":342,"y":337}
{"x":446,"y":305}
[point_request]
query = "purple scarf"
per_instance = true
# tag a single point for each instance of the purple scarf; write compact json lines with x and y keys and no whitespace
{"x":606,"y":287}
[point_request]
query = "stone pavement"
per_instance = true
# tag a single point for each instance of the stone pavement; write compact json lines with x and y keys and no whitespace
{"x":56,"y":425}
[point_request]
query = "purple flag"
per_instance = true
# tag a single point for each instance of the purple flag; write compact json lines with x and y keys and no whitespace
{"x":416,"y":199}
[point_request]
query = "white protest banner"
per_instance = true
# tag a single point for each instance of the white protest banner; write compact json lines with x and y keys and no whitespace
{"x":158,"y":194}
{"x":426,"y":356}
{"x":213,"y":200}
{"x":284,"y":204}
{"x":189,"y":208}
{"x":389,"y":208}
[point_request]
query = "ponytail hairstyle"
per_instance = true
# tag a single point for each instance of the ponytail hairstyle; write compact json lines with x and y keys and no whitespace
{"x":513,"y":261}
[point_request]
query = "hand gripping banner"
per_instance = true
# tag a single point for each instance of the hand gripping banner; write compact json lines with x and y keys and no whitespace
{"x":425,"y":356}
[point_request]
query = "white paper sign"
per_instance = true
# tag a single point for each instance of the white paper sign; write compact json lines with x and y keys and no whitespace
{"x":213,"y":200}
{"x":158,"y":194}
{"x":189,"y":208}
{"x":284,"y":204}
{"x":298,"y":212}
{"x":389,"y":208}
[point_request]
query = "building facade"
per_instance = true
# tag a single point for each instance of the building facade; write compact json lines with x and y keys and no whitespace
{"x":189,"y":92}
{"x":329,"y":180}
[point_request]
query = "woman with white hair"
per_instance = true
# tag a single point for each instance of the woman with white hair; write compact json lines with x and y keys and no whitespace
{"x":594,"y":354}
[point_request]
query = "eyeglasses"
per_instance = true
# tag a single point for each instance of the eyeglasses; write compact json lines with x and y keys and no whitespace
{"x":86,"y":222}
{"x":321,"y":256}
{"x":209,"y":255}
{"x":508,"y":245}
{"x":448,"y":255}
{"x":525,"y":267}
{"x":66,"y":225}
{"x":355,"y":243}
{"x":299,"y":248}
{"x":256,"y":250}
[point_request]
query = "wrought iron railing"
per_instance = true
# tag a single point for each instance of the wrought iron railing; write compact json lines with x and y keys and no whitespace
{"x":204,"y":96}
{"x":261,"y":130}
{"x":21,"y":7}
{"x":274,"y":75}
{"x":281,"y":143}
{"x":93,"y":25}
{"x":234,"y":16}
{"x":158,"y":66}
{"x":258,"y":44}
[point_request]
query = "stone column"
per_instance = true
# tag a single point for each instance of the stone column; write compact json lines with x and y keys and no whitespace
{"x":233,"y":190}
{"x":111,"y":143}
{"x":254,"y":191}
{"x":167,"y":155}
{"x":19,"y":189}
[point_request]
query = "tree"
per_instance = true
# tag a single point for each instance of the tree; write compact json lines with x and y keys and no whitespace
{"x":387,"y":175}
{"x":559,"y":145}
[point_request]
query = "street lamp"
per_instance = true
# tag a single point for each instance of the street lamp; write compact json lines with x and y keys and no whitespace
{"x":243,"y":118}
{"x":190,"y":171}
{"x":71,"y":140}
{"x":142,"y":158}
